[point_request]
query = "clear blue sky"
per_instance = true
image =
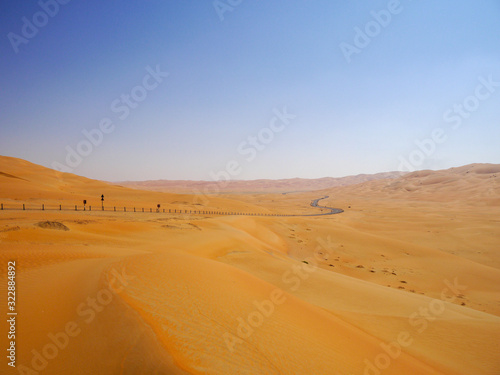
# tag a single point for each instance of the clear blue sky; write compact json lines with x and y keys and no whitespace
{"x":226,"y":78}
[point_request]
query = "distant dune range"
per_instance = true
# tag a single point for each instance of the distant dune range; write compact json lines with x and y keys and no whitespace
{"x":255,"y":186}
{"x":413,"y":259}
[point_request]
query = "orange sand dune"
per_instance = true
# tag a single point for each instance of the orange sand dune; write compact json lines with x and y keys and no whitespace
{"x":405,"y":281}
{"x":26,"y":182}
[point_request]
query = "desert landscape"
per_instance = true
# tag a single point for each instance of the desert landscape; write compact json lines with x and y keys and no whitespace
{"x":403,"y":281}
{"x":234,"y":187}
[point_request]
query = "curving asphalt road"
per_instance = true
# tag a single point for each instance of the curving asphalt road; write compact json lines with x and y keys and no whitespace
{"x":333,"y":211}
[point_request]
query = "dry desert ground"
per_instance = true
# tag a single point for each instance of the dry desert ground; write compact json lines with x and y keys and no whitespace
{"x":405,"y":281}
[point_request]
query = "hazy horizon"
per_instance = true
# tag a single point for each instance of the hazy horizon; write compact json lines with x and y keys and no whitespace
{"x":147,"y":91}
{"x":291,"y":178}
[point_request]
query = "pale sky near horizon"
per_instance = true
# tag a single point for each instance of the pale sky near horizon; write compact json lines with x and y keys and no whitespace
{"x":180,"y":88}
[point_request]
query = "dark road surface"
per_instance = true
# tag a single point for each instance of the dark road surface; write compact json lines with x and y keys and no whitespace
{"x":333,"y":211}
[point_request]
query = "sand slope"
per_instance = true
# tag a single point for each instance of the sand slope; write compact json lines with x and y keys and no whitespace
{"x":146,"y":293}
{"x":22,"y":181}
